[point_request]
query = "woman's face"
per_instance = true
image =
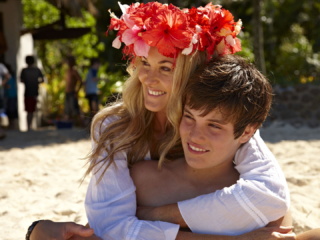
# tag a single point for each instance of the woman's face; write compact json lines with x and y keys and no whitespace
{"x":156,"y":77}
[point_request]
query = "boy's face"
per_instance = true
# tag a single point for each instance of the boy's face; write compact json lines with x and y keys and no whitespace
{"x":209,"y":141}
{"x":96,"y":65}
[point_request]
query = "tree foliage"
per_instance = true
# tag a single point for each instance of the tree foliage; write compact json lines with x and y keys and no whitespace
{"x":38,"y":13}
{"x":291,"y":40}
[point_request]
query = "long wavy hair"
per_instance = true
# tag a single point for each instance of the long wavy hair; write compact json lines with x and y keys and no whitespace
{"x":132,"y":128}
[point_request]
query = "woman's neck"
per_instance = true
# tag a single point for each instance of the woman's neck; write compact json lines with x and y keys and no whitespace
{"x":159,"y":124}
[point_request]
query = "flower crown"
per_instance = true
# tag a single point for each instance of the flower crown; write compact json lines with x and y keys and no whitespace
{"x":141,"y":26}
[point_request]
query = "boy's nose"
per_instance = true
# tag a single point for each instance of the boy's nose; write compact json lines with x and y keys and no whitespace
{"x":196,"y":134}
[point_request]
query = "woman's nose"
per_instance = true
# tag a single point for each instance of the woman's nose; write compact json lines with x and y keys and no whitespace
{"x":151,"y":78}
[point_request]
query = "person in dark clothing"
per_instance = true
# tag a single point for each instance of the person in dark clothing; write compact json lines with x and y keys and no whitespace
{"x":11,"y":107}
{"x":31,"y":76}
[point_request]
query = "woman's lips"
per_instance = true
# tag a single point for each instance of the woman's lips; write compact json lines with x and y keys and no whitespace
{"x":154,"y":93}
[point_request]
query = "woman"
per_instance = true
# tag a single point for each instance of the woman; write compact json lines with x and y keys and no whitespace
{"x":166,"y":45}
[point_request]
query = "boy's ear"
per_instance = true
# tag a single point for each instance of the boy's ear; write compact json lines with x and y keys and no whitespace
{"x":248,"y":132}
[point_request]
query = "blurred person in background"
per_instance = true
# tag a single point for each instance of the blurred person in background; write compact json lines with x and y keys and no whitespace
{"x":31,"y":76}
{"x":71,"y":105}
{"x":91,"y":86}
{"x":11,"y":106}
{"x":4,"y":77}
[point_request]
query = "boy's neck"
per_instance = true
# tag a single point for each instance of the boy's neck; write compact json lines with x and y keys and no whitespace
{"x":220,"y":174}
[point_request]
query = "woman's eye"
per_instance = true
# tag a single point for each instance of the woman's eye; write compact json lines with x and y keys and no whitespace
{"x":166,"y":69}
{"x":145,"y":63}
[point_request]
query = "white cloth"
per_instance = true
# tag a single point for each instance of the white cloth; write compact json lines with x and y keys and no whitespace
{"x":111,"y":205}
{"x":261,"y":195}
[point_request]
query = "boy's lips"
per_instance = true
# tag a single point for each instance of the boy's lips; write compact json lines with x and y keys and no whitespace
{"x":196,"y":149}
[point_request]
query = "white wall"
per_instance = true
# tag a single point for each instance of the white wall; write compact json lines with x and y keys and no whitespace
{"x":25,"y":48}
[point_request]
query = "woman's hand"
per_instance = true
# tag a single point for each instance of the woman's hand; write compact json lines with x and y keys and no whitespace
{"x":269,"y":233}
{"x":48,"y":230}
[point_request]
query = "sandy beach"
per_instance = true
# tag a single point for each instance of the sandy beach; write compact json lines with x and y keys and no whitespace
{"x":41,"y":170}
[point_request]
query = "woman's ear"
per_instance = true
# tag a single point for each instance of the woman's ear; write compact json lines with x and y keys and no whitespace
{"x":248,"y":132}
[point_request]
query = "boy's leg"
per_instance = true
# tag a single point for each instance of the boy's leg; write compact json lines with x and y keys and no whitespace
{"x":30,"y":107}
{"x":29,"y":119}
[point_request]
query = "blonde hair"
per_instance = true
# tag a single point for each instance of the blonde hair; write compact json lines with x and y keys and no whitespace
{"x":132,"y":131}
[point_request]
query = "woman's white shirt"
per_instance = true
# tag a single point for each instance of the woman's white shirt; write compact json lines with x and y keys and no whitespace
{"x":260,"y":196}
{"x":111,"y":205}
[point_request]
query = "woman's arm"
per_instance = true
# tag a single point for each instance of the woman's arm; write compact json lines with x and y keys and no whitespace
{"x":265,"y":233}
{"x":111,"y":204}
{"x":259,"y":197}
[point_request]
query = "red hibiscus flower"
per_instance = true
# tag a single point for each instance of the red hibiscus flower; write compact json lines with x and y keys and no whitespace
{"x":168,"y":31}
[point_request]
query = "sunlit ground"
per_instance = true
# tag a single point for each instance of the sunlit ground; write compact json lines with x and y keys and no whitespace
{"x":40,"y":174}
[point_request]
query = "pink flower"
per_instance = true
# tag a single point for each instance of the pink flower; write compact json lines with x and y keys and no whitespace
{"x":131,"y":36}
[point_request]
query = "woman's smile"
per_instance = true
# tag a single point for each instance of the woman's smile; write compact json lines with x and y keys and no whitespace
{"x":156,"y":93}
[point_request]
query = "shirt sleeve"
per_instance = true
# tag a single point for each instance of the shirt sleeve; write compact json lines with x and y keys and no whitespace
{"x":111,"y":204}
{"x":260,"y":196}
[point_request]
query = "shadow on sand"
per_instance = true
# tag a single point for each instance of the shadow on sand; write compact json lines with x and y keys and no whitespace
{"x":46,"y":136}
{"x":285,"y":132}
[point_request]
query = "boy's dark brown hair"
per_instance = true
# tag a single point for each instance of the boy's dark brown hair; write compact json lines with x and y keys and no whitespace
{"x":234,"y":86}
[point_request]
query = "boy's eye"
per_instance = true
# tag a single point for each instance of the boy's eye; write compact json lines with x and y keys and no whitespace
{"x":214,"y":126}
{"x":187,"y":116}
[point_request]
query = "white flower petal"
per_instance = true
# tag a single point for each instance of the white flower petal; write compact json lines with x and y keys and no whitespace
{"x":230,"y":40}
{"x":198,"y":28}
{"x":194,"y":39}
{"x":188,"y":50}
{"x":127,"y":20}
{"x":123,"y":7}
{"x":116,"y":43}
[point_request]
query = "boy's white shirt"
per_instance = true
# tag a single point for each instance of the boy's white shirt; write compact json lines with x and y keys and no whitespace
{"x":260,"y":196}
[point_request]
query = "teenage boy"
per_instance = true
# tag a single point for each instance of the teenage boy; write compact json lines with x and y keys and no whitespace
{"x":71,"y":105}
{"x":92,"y":85}
{"x":31,"y":76}
{"x":225,"y":103}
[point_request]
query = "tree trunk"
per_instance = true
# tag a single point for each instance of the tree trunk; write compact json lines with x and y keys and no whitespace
{"x":258,"y":37}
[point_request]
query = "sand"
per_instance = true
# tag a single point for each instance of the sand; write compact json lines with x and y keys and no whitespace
{"x":40,"y":173}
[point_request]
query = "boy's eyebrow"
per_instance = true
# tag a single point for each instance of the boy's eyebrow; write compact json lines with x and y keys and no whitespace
{"x":186,"y":110}
{"x":210,"y":120}
{"x":217,"y":121}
